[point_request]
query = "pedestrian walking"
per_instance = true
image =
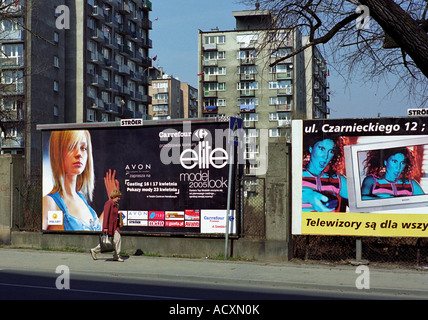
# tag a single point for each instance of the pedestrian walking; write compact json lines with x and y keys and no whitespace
{"x":111,"y":225}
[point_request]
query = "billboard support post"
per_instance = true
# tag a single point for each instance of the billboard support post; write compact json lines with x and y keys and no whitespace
{"x":235,"y":131}
{"x":229,"y":191}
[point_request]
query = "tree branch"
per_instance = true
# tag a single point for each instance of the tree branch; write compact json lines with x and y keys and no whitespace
{"x":324,"y":39}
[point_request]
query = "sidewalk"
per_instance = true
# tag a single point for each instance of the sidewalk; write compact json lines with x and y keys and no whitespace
{"x":398,"y":282}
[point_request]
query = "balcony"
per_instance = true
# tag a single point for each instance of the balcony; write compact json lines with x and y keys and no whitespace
{"x":124,"y":70}
{"x":147,"y":24}
{"x":247,"y":108}
{"x":111,"y":64}
{"x":247,"y":93}
{"x":210,"y":93}
{"x":11,"y":62}
{"x":147,"y":43}
{"x":111,"y":43}
{"x":288,"y":90}
{"x":210,"y":110}
{"x":124,"y":91}
{"x":210,"y":62}
{"x":97,"y":81}
{"x":284,"y":75}
{"x":124,"y":29}
{"x":113,"y":3}
{"x":136,"y":76}
{"x":96,"y":104}
{"x":112,"y":108}
{"x":125,"y":112}
{"x":283,"y":107}
{"x":112,"y":86}
{"x":97,"y":35}
{"x":124,"y":8}
{"x":126,"y":50}
{"x":111,"y":21}
{"x":247,"y":61}
{"x":97,"y":12}
{"x":247,"y":76}
{"x":12,"y":89}
{"x":11,"y":142}
{"x":284,"y":123}
{"x":147,"y":4}
{"x":97,"y":57}
{"x":210,"y":46}
{"x":146,"y":62}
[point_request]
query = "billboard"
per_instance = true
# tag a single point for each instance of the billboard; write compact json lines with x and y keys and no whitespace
{"x":360,"y":177}
{"x":173,"y":177}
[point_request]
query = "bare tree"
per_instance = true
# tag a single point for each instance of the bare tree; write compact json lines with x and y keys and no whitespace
{"x":395,"y":42}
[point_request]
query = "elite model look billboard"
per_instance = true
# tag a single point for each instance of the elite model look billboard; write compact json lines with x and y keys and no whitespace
{"x":173,"y":178}
{"x":360,"y":177}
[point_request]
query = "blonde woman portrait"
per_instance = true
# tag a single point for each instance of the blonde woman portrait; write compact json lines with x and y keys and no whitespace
{"x":71,"y":162}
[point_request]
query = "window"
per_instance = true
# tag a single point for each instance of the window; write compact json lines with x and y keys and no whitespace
{"x":55,"y":111}
{"x":56,"y":37}
{"x":247,"y":70}
{"x":250,"y":117}
{"x":215,"y":39}
{"x":248,"y":85}
{"x":221,"y":102}
{"x":215,"y":71}
{"x":273,"y":116}
{"x":274,"y":132}
{"x":56,"y":62}
{"x":246,"y":54}
{"x":278,"y":100}
{"x":56,"y":86}
{"x":11,"y":54}
{"x":221,"y":86}
{"x":283,"y":84}
{"x":248,"y":101}
{"x":161,"y":96}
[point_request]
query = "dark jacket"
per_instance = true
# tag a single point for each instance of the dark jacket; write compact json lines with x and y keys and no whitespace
{"x":111,"y":211}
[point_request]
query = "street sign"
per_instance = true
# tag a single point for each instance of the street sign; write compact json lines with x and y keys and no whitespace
{"x":235,"y":126}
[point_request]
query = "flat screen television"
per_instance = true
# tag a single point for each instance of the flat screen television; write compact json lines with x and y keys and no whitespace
{"x":356,"y":171}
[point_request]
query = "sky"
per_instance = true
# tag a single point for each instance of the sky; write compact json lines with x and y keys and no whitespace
{"x":175,"y":46}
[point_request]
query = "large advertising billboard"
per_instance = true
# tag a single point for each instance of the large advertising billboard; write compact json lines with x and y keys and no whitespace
{"x":360,"y":177}
{"x":173,"y":177}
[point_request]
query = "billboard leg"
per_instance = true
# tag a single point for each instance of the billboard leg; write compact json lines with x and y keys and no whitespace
{"x":229,"y":191}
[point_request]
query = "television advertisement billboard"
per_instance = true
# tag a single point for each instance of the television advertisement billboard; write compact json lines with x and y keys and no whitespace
{"x":173,"y":177}
{"x":360,"y":177}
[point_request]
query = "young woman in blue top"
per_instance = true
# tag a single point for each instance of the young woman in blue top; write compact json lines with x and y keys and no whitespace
{"x":70,"y":153}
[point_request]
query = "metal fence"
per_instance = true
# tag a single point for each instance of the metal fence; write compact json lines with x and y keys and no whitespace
{"x":27,"y":214}
{"x":341,"y":249}
{"x":253,"y":217}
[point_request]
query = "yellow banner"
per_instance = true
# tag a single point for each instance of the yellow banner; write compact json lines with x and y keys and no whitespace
{"x":365,"y":224}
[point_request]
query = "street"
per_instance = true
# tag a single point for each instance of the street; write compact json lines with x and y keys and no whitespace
{"x":41,"y":285}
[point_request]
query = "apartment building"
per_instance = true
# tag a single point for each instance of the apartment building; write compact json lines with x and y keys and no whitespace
{"x":115,"y":40}
{"x":317,"y":85}
{"x":167,"y":98}
{"x":171,"y":98}
{"x":236,"y":80}
{"x":190,"y":100}
{"x":92,"y":66}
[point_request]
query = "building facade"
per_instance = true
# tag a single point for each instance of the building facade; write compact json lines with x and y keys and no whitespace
{"x":171,"y":98}
{"x":71,"y":61}
{"x":237,"y":79}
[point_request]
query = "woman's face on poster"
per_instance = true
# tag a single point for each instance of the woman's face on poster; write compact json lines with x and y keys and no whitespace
{"x":321,"y":154}
{"x":76,"y":156}
{"x":394,"y":166}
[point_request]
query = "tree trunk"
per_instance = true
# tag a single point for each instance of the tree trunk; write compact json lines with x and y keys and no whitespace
{"x":405,"y":31}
